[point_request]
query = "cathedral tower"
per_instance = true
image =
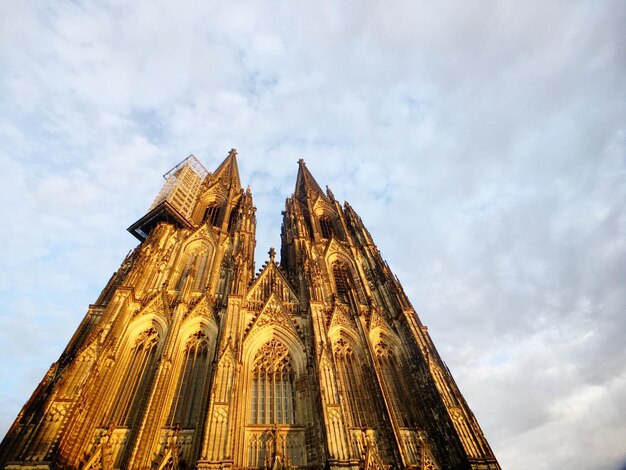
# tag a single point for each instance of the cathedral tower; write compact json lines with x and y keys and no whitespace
{"x":188,"y":359}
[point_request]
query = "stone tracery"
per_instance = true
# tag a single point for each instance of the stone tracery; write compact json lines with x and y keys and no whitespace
{"x":273,"y":386}
{"x":189,"y":359}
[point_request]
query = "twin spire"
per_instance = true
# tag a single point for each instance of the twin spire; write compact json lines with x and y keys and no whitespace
{"x":307,"y":189}
{"x":228,"y":174}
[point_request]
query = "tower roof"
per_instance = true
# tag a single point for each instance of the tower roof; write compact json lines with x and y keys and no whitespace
{"x":306,"y":186}
{"x":228,"y":172}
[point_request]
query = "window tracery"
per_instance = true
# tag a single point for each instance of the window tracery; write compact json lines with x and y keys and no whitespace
{"x":211,"y":214}
{"x":342,"y":280}
{"x":273,"y":386}
{"x":395,"y":384}
{"x":137,"y":377}
{"x":326,"y":227}
{"x":276,"y":449}
{"x":257,"y":450}
{"x":192,"y":383}
{"x":224,"y":379}
{"x":351,"y":377}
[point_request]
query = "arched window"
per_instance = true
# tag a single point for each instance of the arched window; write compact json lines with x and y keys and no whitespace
{"x":192,"y":384}
{"x":342,"y":280}
{"x":232,"y":221}
{"x":136,"y":381}
{"x":211,"y":214}
{"x":326,"y":226}
{"x":272,"y":397}
{"x":353,"y":384}
{"x":264,"y":446}
{"x":259,"y":450}
{"x":395,"y":384}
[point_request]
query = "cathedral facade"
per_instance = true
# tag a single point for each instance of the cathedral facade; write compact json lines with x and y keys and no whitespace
{"x":190,"y":359}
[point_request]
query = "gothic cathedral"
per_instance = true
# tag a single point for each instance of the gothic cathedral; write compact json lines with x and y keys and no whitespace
{"x":188,"y":359}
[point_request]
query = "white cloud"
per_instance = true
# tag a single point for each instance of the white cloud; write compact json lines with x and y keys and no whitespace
{"x":481,"y":143}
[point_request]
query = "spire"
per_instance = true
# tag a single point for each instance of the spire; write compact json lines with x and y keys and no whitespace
{"x":306,"y":186}
{"x":228,"y":173}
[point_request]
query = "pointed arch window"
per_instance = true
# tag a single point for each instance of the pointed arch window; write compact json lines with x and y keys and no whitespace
{"x":272,"y":393}
{"x":137,"y":379}
{"x":192,"y":383}
{"x":342,"y":280}
{"x":232,"y":221}
{"x":211,"y":214}
{"x":259,"y":450}
{"x":326,"y":227}
{"x":353,"y":384}
{"x":395,"y":384}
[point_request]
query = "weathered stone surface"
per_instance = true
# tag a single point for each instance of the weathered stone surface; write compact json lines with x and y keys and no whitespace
{"x":189,"y":360}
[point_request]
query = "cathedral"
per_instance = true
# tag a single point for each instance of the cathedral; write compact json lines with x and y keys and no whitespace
{"x":191,"y":359}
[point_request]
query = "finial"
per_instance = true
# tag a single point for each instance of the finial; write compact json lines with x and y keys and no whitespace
{"x":329,"y":193}
{"x":233,"y":152}
{"x":272,"y":253}
{"x":301,"y":162}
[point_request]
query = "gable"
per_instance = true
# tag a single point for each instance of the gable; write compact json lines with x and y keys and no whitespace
{"x":377,"y":320}
{"x":154,"y":306}
{"x":275,"y":315}
{"x":202,"y":309}
{"x":340,"y":317}
{"x":201,"y":236}
{"x":271,"y":281}
{"x":334,"y":248}
{"x":322,"y":207}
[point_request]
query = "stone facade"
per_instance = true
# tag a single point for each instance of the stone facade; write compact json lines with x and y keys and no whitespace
{"x":190,"y":360}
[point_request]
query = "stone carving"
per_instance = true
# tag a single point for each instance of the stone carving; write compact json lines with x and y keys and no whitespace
{"x":318,"y":361}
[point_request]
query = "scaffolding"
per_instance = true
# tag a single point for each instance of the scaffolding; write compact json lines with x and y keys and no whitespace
{"x":182,"y":185}
{"x":177,"y":199}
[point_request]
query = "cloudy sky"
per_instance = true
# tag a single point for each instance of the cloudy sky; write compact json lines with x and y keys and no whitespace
{"x":482,"y":142}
